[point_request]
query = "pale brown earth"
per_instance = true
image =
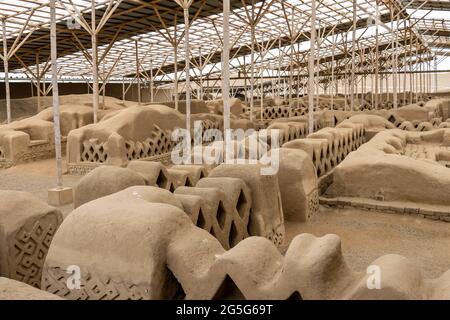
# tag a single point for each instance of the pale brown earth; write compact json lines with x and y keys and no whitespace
{"x":22,"y":108}
{"x":27,"y":107}
{"x":365,"y":235}
{"x":36,"y":178}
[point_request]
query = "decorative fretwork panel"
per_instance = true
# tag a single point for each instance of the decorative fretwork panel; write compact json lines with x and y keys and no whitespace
{"x":93,"y":151}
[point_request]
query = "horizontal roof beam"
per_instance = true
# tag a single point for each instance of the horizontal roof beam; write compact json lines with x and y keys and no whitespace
{"x":285,"y":41}
{"x":135,"y":18}
{"x":428,"y":5}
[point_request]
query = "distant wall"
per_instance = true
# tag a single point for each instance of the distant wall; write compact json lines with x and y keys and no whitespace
{"x":20,"y":90}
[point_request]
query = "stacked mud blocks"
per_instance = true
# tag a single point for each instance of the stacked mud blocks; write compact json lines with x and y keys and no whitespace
{"x":329,"y":146}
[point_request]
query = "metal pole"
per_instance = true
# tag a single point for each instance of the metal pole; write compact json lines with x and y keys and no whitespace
{"x":151,"y":82}
{"x":55,"y":93}
{"x":6,"y":71}
{"x":252,"y":66}
{"x":200,"y":87}
{"x":426,"y":75}
{"x":279,"y":67}
{"x":175,"y":58}
{"x":395,"y":64}
{"x":291,"y":68}
{"x":104,"y":83}
{"x":138,"y":70}
{"x":123,"y":89}
{"x":352,"y":85}
{"x":245,"y":82}
{"x":410,"y":68}
{"x":44,"y":81}
{"x":377,"y":56}
{"x":346,"y":86}
{"x":404,"y":64}
{"x":416,"y":80}
{"x":226,"y":75}
{"x":404,"y":80}
{"x":95,"y":91}
{"x":187,"y":68}
{"x":317,"y":69}
{"x":435,"y":74}
{"x":333,"y":48}
{"x":38,"y":82}
{"x":311,"y":84}
{"x":381,"y":88}
{"x":429,"y":73}
{"x":261,"y":69}
{"x":420,"y":77}
{"x":372,"y":90}
{"x":261,"y":104}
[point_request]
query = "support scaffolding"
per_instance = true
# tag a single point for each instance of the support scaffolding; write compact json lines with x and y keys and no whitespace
{"x":402,"y":42}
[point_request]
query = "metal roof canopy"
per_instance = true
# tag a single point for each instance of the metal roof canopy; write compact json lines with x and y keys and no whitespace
{"x":147,"y":21}
{"x":428,"y":5}
{"x":132,"y":18}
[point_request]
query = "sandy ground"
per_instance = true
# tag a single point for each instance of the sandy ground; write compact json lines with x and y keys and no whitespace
{"x":36,"y":178}
{"x":366,"y":235}
{"x":27,"y":107}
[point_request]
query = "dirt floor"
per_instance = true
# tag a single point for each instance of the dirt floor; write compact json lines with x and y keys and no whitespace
{"x":36,"y":178}
{"x":22,"y":108}
{"x":366,"y":235}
